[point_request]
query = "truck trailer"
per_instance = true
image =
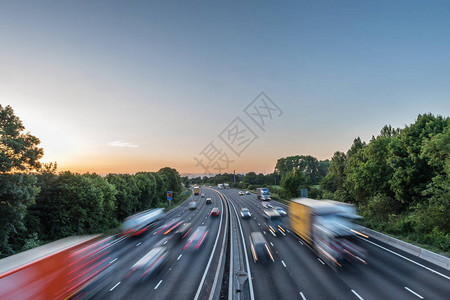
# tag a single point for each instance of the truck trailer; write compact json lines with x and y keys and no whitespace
{"x":73,"y":267}
{"x":196,"y":190}
{"x":328,"y":228}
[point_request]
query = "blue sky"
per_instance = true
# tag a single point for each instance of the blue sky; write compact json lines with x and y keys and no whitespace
{"x":124,"y":86}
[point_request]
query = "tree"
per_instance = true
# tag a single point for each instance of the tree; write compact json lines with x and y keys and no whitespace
{"x":172,"y":178}
{"x":128,"y":194}
{"x":412,"y":173}
{"x":19,"y":152}
{"x":309,"y":165}
{"x":17,"y":192}
{"x":292,"y":182}
{"x":335,"y":177}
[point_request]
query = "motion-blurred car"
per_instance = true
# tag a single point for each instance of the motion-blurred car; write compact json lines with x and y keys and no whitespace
{"x":149,"y":264}
{"x":197,"y":238}
{"x":208,"y":201}
{"x":192,"y":205}
{"x":273,"y":222}
{"x":280,"y":210}
{"x":241,"y":193}
{"x":214,"y":212}
{"x":183,"y":230}
{"x":266,"y":205}
{"x":260,"y":249}
{"x":245,"y":213}
{"x":202,"y":196}
{"x":248,"y":193}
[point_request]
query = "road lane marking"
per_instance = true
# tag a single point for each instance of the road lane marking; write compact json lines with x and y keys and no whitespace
{"x":264,"y":232}
{"x":259,"y":224}
{"x":321,"y":261}
{"x":410,"y":260}
{"x":158,"y":284}
{"x":409,"y":290}
{"x":283,"y":264}
{"x":113,"y":260}
{"x":271,"y":244}
{"x":300,"y":242}
{"x":203,"y":223}
{"x":138,"y":244}
{"x":356,"y":294}
{"x":288,"y":230}
{"x":114,"y":286}
{"x":165,"y":242}
{"x":303,"y":297}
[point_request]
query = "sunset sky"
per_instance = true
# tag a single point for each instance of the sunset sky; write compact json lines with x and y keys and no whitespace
{"x":127,"y":86}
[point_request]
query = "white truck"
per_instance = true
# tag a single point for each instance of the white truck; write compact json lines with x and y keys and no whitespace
{"x":220,"y":186}
{"x":263,"y":194}
{"x":226,"y":185}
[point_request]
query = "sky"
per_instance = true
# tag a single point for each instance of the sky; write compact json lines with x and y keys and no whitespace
{"x":128,"y":86}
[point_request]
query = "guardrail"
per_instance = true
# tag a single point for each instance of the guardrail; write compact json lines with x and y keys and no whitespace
{"x":424,"y":254}
{"x":217,"y":284}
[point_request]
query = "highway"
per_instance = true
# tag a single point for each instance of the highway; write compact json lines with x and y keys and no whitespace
{"x":295,"y":273}
{"x":187,"y":273}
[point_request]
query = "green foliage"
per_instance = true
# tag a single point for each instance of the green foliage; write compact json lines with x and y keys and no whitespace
{"x":17,"y":192}
{"x":307,"y":164}
{"x":292,"y":182}
{"x":400,"y":180}
{"x":172,"y":178}
{"x":18,"y":151}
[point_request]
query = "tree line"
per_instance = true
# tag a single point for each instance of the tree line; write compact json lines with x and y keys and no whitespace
{"x":400,"y":180}
{"x":37,"y":204}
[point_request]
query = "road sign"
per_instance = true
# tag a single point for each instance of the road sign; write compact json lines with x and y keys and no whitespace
{"x":241,"y":276}
{"x":169,"y":195}
{"x":303,"y":193}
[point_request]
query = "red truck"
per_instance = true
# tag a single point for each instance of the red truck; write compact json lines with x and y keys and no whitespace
{"x":58,"y":270}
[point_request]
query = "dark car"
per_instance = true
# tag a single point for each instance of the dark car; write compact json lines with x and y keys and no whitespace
{"x":260,"y":249}
{"x":197,"y":238}
{"x":192,"y":205}
{"x":214,"y":212}
{"x":208,"y":201}
{"x":183,"y":230}
{"x":245,"y":213}
{"x":273,"y":222}
{"x":202,"y":196}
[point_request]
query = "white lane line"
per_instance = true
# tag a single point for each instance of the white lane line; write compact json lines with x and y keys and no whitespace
{"x":283,"y":264}
{"x":259,"y":224}
{"x":165,"y":242}
{"x":158,"y":284}
{"x":321,"y":261}
{"x":300,"y":242}
{"x":203,"y":223}
{"x":264,"y":232}
{"x":114,"y":286}
{"x":113,"y":260}
{"x":254,"y":218}
{"x":288,"y":230}
{"x":356,"y":294}
{"x":271,"y":244}
{"x":409,"y":290}
{"x":303,"y":297}
{"x":410,"y":260}
{"x":138,"y":244}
